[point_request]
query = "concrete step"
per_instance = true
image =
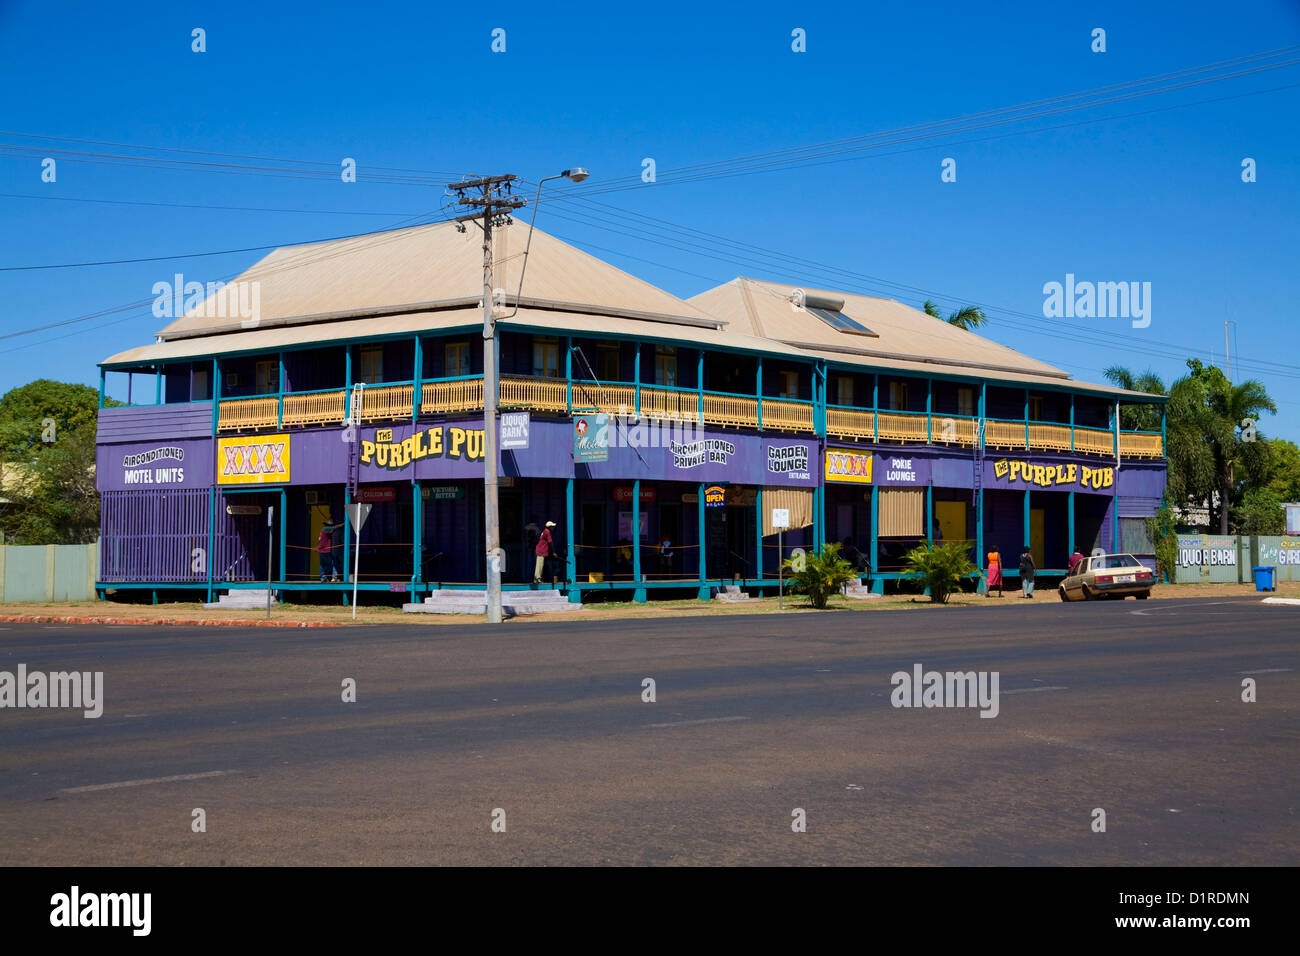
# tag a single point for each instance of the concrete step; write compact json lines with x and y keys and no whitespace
{"x":859,"y":592}
{"x":470,"y":606}
{"x":732,"y":594}
{"x":243,"y":598}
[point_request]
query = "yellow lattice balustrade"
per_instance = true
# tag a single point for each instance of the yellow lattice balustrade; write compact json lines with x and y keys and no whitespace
{"x":736,"y":410}
{"x":949,"y":430}
{"x":787,"y":416}
{"x":1094,"y":441}
{"x":541,"y":394}
{"x":1050,"y":437}
{"x":1133,"y":445}
{"x":610,"y":399}
{"x":902,"y":426}
{"x":674,"y":404}
{"x":457,"y":395}
{"x":241,"y":413}
{"x":851,"y":423}
{"x":386,"y":402}
{"x":316,"y":408}
{"x":1004,"y":434}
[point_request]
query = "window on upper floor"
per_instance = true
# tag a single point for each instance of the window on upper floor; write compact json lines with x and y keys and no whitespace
{"x":268,"y":377}
{"x":609,"y":363}
{"x":844,"y":390}
{"x":898,"y":396}
{"x":546,"y":358}
{"x":665,"y":366}
{"x":1035,"y":408}
{"x":371,"y":364}
{"x":455,"y":359}
{"x":789,"y":384}
{"x":199,"y":385}
{"x":966,"y":401}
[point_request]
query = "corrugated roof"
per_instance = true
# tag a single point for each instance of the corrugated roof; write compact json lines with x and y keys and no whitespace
{"x":429,"y":265}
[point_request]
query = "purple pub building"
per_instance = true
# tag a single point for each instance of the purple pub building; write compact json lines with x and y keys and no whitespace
{"x":659,"y":434}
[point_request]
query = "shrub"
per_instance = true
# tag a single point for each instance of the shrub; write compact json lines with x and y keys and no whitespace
{"x":821,"y":575}
{"x":941,"y":566}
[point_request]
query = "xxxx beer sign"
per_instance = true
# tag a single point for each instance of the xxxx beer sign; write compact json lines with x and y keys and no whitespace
{"x":1045,"y":476}
{"x":253,"y":460}
{"x":845,"y":465}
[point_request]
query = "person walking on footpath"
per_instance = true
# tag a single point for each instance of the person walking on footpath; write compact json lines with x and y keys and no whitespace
{"x":325,"y":549}
{"x":1027,"y":573}
{"x":994,"y":573}
{"x":543,"y":550}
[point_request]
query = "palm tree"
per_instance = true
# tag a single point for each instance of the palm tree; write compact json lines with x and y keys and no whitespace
{"x":968,"y":318}
{"x":1141,"y":417}
{"x":1231,"y":405}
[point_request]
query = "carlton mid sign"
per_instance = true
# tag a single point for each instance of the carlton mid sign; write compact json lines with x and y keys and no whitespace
{"x":440,"y":441}
{"x":253,"y":460}
{"x":1048,"y":476}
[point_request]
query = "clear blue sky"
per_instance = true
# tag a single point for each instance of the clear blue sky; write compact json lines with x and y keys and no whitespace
{"x":1155,"y":197}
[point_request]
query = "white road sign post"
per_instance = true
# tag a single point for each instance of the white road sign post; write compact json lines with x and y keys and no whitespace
{"x":357,"y":514}
{"x":780,"y":521}
{"x":270,"y":513}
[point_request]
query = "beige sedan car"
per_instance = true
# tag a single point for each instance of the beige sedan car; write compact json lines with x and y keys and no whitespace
{"x":1112,"y":576}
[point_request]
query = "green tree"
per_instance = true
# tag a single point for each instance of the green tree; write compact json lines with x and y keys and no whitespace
{"x":1139,"y":416}
{"x":969,"y":317}
{"x":1163,"y":531}
{"x":1284,"y":469}
{"x":1260,"y":512}
{"x":1229,"y":407}
{"x":941,"y":566}
{"x":821,"y":575}
{"x":25,"y":411}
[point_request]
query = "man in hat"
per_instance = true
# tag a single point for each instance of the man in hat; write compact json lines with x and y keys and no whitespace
{"x":325,"y":549}
{"x":543,"y":551}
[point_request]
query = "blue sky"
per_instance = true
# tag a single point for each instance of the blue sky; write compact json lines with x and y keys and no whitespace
{"x":1108,"y":195}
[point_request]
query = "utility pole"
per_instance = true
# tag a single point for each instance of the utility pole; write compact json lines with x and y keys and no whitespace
{"x":491,"y":198}
{"x":1227,"y":351}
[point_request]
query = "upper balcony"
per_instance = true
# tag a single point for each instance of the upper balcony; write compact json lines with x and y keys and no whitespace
{"x":557,"y":396}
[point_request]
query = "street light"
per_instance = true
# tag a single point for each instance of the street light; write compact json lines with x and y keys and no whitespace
{"x":495,"y":557}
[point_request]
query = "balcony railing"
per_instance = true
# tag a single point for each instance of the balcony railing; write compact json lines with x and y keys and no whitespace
{"x":393,"y":402}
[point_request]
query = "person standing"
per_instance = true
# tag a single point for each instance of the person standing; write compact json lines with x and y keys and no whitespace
{"x":543,"y":550}
{"x":1027,"y":573}
{"x":994,"y":573}
{"x":1075,"y":560}
{"x":325,"y":550}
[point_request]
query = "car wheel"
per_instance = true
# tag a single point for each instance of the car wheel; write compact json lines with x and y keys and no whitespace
{"x":1061,"y":591}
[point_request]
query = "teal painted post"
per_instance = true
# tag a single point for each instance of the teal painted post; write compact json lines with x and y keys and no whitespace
{"x":216,"y":394}
{"x":571,"y":552}
{"x":758,"y":392}
{"x":417,"y":393}
{"x":758,"y":502}
{"x":417,"y":536}
{"x":568,"y":372}
{"x":1069,"y":531}
{"x":1072,"y":436}
{"x":983,"y":406}
{"x":347,"y":406}
{"x":929,"y":408}
{"x":877,"y":582}
{"x":875,"y":423}
{"x":636,"y":381}
{"x":1164,"y":417}
{"x":982,"y":587}
{"x":699,"y":386}
{"x":703,"y":543}
{"x":280,"y":415}
{"x":157,"y":385}
{"x":1027,"y":522}
{"x":347,"y":541}
{"x":1026,"y":418}
{"x":929,"y":514}
{"x":284,"y":544}
{"x":638,"y":593}
{"x":102,"y":374}
{"x":1114,"y":430}
{"x":212,"y":536}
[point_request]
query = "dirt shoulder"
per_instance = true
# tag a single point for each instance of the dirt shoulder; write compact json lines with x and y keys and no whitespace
{"x":194,"y":615}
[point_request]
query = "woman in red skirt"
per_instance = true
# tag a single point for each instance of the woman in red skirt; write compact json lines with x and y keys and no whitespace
{"x":994,"y":574}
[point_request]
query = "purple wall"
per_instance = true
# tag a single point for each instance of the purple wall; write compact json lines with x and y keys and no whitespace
{"x":157,"y":423}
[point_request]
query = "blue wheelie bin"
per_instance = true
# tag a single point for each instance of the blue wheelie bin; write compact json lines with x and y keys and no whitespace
{"x":1264,"y":578}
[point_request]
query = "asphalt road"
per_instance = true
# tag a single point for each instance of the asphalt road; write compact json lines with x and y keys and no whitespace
{"x":1132,"y":708}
